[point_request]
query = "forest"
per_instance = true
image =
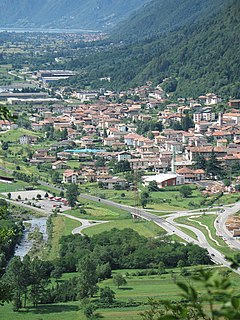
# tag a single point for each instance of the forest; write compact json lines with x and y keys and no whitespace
{"x":92,"y":260}
{"x":204,"y":53}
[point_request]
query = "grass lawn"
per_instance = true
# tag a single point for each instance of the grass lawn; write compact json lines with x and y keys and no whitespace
{"x":138,"y":288}
{"x":14,"y":135}
{"x":99,"y":211}
{"x":187,"y":231}
{"x":11,"y":187}
{"x":60,"y":311}
{"x":5,"y":174}
{"x":144,"y":228}
{"x":62,"y":226}
{"x":163,"y":200}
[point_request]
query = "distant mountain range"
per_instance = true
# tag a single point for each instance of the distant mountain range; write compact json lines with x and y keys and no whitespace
{"x":77,"y":14}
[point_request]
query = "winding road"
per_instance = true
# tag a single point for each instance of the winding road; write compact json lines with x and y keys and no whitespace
{"x":167,"y":223}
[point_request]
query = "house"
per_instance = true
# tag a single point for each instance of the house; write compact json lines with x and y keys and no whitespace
{"x":165,"y":179}
{"x":234,"y":103}
{"x":206,"y":151}
{"x":130,"y":138}
{"x":191,"y":175}
{"x":212,"y":98}
{"x":26,"y":139}
{"x":123,"y":156}
{"x":115,"y":183}
{"x":37,"y":126}
{"x":7,"y":125}
{"x":59,"y":165}
{"x":174,"y":146}
{"x":86,"y":95}
{"x":70,"y":176}
{"x":205,"y":114}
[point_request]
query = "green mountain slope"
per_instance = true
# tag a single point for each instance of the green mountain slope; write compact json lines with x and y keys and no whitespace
{"x":202,"y":57}
{"x":91,"y":14}
{"x":161,"y":16}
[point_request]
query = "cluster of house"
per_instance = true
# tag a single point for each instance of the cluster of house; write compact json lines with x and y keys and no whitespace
{"x":171,"y":154}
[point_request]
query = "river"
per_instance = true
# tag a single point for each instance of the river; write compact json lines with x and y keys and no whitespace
{"x":25,"y":245}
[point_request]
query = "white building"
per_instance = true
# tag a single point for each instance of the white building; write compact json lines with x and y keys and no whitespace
{"x":165,"y":179}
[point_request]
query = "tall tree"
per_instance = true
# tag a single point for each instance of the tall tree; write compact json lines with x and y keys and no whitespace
{"x":119,"y":280}
{"x":72,"y":194}
{"x":187,"y":122}
{"x":87,"y":281}
{"x":213,"y":165}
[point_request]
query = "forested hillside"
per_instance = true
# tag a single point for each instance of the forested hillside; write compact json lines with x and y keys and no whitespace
{"x":91,"y":14}
{"x":161,"y":16}
{"x":200,"y":57}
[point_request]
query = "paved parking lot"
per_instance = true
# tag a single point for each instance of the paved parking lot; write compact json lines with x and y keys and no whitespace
{"x":44,"y":204}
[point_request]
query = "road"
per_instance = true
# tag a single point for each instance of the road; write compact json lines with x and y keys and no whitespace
{"x":172,"y":227}
{"x":220,"y":225}
{"x":84,"y":223}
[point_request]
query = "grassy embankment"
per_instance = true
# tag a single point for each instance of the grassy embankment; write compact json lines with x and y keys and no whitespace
{"x":208,"y":220}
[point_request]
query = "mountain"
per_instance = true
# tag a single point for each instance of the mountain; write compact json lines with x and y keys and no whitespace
{"x":199,"y":57}
{"x":161,"y":16}
{"x":80,"y":14}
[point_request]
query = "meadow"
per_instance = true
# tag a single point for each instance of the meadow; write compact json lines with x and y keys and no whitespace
{"x":138,"y":289}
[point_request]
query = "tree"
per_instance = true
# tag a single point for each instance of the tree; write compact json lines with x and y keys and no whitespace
{"x":107,"y":295}
{"x":89,"y":310}
{"x":104,"y":271}
{"x":119,"y":280}
{"x":100,"y":162}
{"x":87,"y":281}
{"x":55,"y":177}
{"x":153,"y":186}
{"x":187,"y":122}
{"x":4,"y":145}
{"x":237,"y":187}
{"x":161,"y":268}
{"x":72,"y":194}
{"x":57,"y":272}
{"x":5,"y":114}
{"x":213,"y":165}
{"x":185,"y":191}
{"x":64,"y":134}
{"x":144,"y":199}
{"x":200,"y":162}
{"x":5,"y":293}
{"x":15,"y":279}
{"x":122,"y":166}
{"x":181,"y":264}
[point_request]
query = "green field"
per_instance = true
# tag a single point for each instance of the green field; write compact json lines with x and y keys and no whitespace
{"x":62,"y":226}
{"x":163,"y":200}
{"x":99,"y":211}
{"x":11,"y":187}
{"x":14,"y":135}
{"x":138,"y":288}
{"x":144,"y":228}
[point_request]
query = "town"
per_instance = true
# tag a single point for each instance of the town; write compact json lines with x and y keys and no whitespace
{"x":103,"y":187}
